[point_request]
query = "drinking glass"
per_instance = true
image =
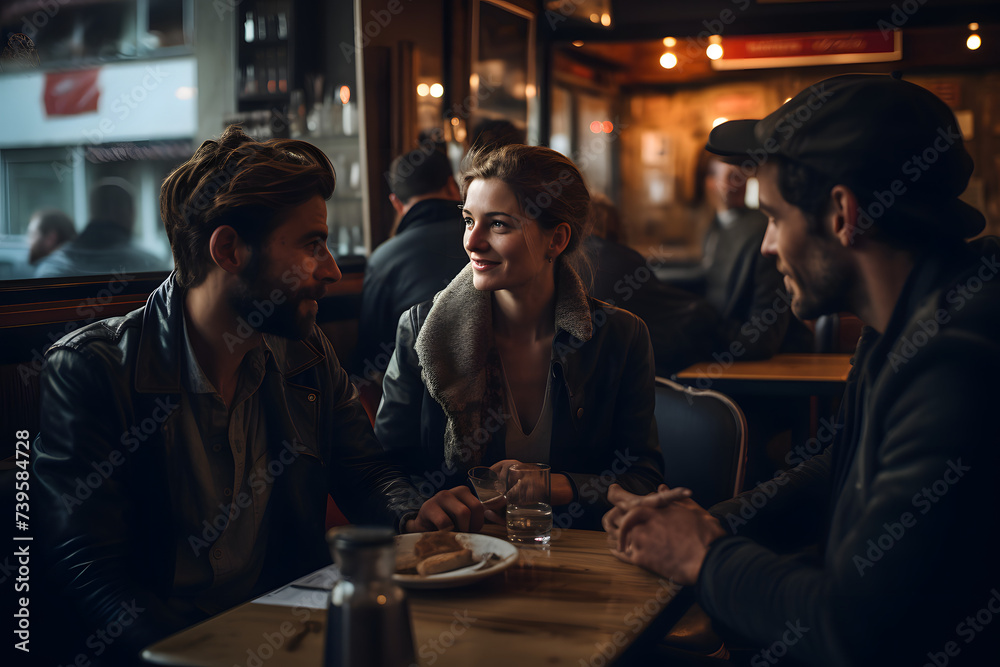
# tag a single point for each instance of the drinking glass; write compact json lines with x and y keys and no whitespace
{"x":529,"y":508}
{"x":485,"y":482}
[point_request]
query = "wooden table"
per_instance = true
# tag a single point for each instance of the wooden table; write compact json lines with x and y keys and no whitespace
{"x":573,"y":602}
{"x":781,"y":375}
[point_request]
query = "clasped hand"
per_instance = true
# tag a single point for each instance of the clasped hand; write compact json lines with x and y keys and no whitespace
{"x":665,"y":532}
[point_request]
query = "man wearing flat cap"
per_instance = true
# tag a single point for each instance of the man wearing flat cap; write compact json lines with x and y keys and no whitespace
{"x":880,"y":550}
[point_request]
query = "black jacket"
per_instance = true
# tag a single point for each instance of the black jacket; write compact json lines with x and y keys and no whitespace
{"x":414,"y":265}
{"x":901,"y":504}
{"x":682,"y":326}
{"x":435,"y":404}
{"x":110,"y":400}
{"x":756,"y":311}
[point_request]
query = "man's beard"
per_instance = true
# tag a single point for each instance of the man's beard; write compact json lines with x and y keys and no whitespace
{"x":252,"y":300}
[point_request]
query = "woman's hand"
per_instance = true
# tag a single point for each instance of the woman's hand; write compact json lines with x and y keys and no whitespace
{"x":560,"y":489}
{"x":452,"y":509}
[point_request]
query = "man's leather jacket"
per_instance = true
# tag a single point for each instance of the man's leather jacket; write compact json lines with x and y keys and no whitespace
{"x":110,"y":396}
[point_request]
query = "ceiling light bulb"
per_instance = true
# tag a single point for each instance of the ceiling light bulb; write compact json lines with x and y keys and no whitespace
{"x":668,"y":61}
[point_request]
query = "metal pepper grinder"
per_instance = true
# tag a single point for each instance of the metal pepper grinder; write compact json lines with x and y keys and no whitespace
{"x":368,"y":620}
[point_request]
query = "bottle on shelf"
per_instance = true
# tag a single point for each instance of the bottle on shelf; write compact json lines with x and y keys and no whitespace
{"x":249,"y":29}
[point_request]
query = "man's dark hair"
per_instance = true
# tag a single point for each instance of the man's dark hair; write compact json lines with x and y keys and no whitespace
{"x":809,"y":190}
{"x":240,"y":182}
{"x":113,"y":200}
{"x":54,"y":220}
{"x":418,"y":172}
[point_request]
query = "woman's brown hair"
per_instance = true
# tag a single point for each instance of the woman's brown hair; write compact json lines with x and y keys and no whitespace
{"x":240,"y":182}
{"x":548,"y":186}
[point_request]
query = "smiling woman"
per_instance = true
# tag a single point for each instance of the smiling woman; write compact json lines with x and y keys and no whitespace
{"x":502,"y":366}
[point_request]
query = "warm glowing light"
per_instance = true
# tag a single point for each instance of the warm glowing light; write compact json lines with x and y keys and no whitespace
{"x":423,"y":89}
{"x":345,"y":94}
{"x":669,"y":41}
{"x":715,"y":39}
{"x":668,"y":61}
{"x":595,"y":127}
{"x":594,"y":18}
{"x":437,"y":90}
{"x":719,"y":121}
{"x":454,"y":122}
{"x":714,"y":51}
{"x":607,"y":127}
{"x":974,"y":42}
{"x":973,"y":26}
{"x":381,"y":599}
{"x":529,"y":90}
{"x":605,"y":20}
{"x":184,"y":93}
{"x":787,"y":100}
{"x":577,"y":43}
{"x":474,"y":81}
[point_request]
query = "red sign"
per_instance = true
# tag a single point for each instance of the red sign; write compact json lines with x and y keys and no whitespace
{"x":825,"y":48}
{"x":71,"y":93}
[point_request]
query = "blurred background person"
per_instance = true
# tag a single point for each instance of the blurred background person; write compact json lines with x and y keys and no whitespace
{"x":681,"y":325}
{"x":105,"y":245}
{"x":420,"y":259}
{"x":48,"y":229}
{"x":739,"y":282}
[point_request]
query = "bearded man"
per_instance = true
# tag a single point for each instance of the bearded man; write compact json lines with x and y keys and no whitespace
{"x":187,"y":448}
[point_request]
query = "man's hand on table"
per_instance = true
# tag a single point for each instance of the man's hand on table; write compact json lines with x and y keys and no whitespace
{"x":665,"y":532}
{"x":452,"y":509}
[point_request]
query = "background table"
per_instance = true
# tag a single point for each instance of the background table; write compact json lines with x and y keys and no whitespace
{"x":787,"y":391}
{"x":572,"y":602}
{"x":781,"y":375}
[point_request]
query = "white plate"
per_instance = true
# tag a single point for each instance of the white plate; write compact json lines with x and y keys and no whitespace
{"x":478,"y":544}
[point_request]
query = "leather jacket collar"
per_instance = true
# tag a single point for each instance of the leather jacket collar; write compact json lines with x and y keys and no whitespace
{"x":456,"y":350}
{"x":161,"y":344}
